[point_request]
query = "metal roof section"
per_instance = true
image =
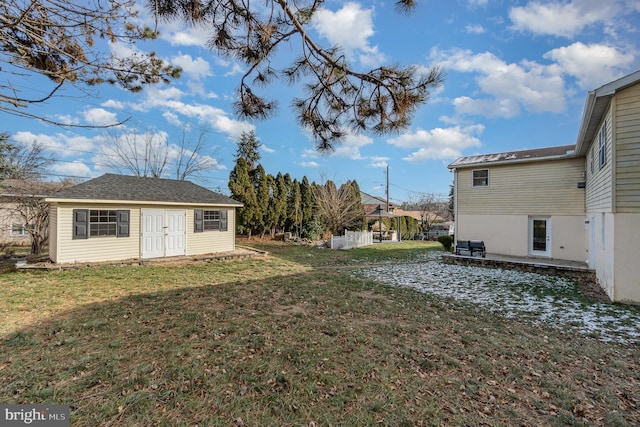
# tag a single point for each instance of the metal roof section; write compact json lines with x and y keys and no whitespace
{"x":538,"y":154}
{"x":142,"y":189}
{"x":595,"y":108}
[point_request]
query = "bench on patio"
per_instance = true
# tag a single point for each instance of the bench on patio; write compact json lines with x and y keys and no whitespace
{"x":471,"y":248}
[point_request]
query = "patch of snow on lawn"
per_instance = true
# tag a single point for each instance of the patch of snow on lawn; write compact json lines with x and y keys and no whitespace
{"x":532,"y":297}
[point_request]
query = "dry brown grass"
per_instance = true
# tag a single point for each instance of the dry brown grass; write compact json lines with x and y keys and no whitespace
{"x":286,"y":341}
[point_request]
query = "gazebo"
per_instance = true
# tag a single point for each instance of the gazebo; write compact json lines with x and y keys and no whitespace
{"x":380,"y":213}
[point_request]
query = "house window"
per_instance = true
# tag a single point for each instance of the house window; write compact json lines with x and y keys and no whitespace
{"x":207,"y":220}
{"x":100,"y":223}
{"x":19,"y":230}
{"x":602,"y":145}
{"x":481,"y":178}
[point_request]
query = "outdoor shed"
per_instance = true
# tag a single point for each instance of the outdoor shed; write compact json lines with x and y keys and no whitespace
{"x":118,"y":217}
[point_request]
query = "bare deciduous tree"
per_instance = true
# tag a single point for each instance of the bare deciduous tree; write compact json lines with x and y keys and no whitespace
{"x":26,"y":201}
{"x":23,"y":190}
{"x":432,"y":207}
{"x":152,"y":155}
{"x":145,"y":154}
{"x":190,"y":161}
{"x":339,"y":208}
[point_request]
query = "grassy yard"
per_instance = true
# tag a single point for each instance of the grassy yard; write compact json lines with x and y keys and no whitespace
{"x":294,"y":339}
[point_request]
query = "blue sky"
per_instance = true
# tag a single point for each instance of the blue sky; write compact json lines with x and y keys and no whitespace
{"x":518,"y":73}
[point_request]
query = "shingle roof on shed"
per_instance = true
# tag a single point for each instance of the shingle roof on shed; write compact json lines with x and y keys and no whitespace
{"x":547,"y":153}
{"x":143,"y":189}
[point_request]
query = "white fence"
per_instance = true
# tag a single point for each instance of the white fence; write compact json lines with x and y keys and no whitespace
{"x":352,"y":239}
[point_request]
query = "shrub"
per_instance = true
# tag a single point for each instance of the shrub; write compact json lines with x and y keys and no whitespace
{"x":312,"y":230}
{"x":446,"y":241}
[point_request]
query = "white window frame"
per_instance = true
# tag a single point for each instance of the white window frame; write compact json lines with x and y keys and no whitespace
{"x":481,"y":179}
{"x":602,"y":145}
{"x":23,"y":230}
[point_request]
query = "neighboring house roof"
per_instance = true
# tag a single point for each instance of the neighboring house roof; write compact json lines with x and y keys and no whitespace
{"x":538,"y":154}
{"x":368,"y":199}
{"x":142,"y":189}
{"x":595,"y":108}
{"x":413,"y":214}
{"x":20,"y":187}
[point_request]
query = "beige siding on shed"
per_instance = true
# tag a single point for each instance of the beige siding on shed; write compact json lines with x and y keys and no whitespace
{"x":599,"y":187}
{"x":95,"y":249}
{"x":628,"y":150}
{"x":53,"y":232}
{"x":211,"y":241}
{"x":534,"y":188}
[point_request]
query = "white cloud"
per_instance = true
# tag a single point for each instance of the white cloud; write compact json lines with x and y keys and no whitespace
{"x":511,"y":87}
{"x":235,"y":69}
{"x":172,"y":118}
{"x":309,"y":154}
{"x":112,"y":103}
{"x":350,"y":28}
{"x":593,"y":65}
{"x":351,"y":145}
{"x":100,"y":117}
{"x":379,"y":162}
{"x":216,"y":118}
{"x":196,"y":68}
{"x":157,"y":96}
{"x":267,"y":149}
{"x":310,"y":164}
{"x":474,"y":29}
{"x":178,"y":34}
{"x":439,"y":143}
{"x":561,"y":18}
{"x":478,"y":2}
{"x":75,"y":168}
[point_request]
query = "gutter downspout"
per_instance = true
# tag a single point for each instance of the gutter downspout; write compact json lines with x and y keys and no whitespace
{"x":455,"y":207}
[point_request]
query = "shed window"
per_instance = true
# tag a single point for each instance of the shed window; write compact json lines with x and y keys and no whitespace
{"x":207,"y":220}
{"x":481,"y":178}
{"x":602,"y":145}
{"x":100,"y":223}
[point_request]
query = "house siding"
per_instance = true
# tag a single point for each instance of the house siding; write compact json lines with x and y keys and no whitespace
{"x":628,"y":150}
{"x":509,"y":234}
{"x":599,"y":183}
{"x":626,"y":269}
{"x":8,"y":217}
{"x":535,"y":188}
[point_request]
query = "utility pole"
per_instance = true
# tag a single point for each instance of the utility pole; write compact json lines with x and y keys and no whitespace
{"x":387,"y":188}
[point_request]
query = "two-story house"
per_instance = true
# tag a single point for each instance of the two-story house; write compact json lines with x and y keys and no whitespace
{"x":576,"y":202}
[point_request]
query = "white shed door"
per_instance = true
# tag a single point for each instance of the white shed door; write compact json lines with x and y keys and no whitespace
{"x":152,"y":233}
{"x":175,"y":233}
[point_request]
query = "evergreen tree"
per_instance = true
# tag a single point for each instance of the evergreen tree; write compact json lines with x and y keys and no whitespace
{"x":271,"y":214}
{"x":356,"y":206}
{"x":280,"y":195}
{"x":306,"y":195}
{"x":261,"y":185}
{"x":243,"y":191}
{"x":294,"y":208}
{"x":248,"y":146}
